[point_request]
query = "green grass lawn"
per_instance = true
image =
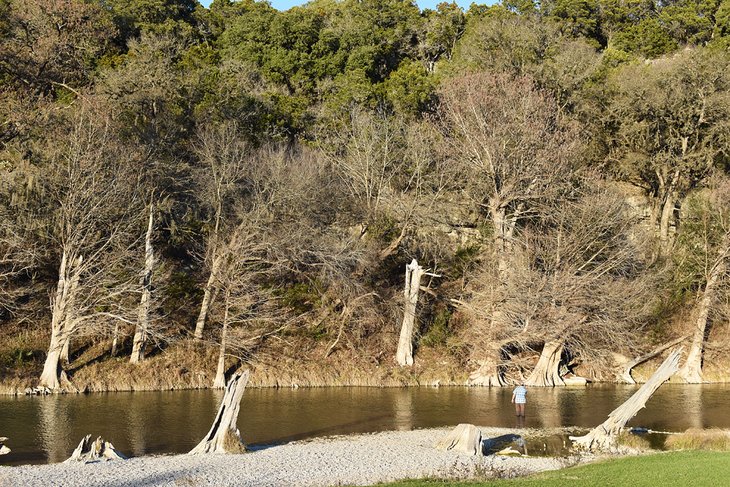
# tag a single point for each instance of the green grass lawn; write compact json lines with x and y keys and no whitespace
{"x":664,"y":469}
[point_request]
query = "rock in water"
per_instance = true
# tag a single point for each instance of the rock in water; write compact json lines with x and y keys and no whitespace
{"x":465,"y":438}
{"x":89,"y":451}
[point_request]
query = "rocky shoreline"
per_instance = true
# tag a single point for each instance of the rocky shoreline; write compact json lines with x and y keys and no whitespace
{"x":344,"y":460}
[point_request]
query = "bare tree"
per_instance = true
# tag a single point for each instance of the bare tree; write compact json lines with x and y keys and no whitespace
{"x":390,"y":172}
{"x":702,"y":258}
{"x":93,"y":198}
{"x":225,"y":157}
{"x":143,"y":314}
{"x":511,"y":151}
{"x":589,"y":263}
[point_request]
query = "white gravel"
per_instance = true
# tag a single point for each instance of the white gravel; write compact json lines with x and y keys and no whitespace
{"x":345,"y":460}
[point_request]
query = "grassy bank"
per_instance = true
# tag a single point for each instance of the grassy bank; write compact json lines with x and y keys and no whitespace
{"x":676,"y":468}
{"x":187,"y":364}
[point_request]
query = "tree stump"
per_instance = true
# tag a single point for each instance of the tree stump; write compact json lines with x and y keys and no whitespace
{"x":603,"y":437}
{"x":4,"y":450}
{"x":89,"y":451}
{"x":465,"y":438}
{"x":224,"y":436}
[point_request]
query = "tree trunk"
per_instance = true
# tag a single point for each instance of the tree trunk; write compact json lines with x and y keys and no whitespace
{"x":50,"y":377}
{"x":143,"y":314}
{"x":220,"y":377}
{"x":547,"y":371}
{"x":224,"y":436}
{"x":665,"y":221}
{"x":404,"y":355}
{"x":488,"y":373}
{"x":465,"y":438}
{"x":60,"y":311}
{"x":115,"y":339}
{"x":604,"y":436}
{"x":65,"y":350}
{"x":623,"y":373}
{"x":691,"y":372}
{"x":208,"y":297}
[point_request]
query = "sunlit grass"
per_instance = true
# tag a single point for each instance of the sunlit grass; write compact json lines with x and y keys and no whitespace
{"x":673,"y":468}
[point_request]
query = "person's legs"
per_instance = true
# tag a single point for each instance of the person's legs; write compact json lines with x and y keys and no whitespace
{"x":517,"y":409}
{"x":521,"y":409}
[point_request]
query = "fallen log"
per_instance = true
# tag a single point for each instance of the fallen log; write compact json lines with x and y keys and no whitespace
{"x":89,"y":451}
{"x":465,"y":438}
{"x":603,"y":437}
{"x":4,"y":450}
{"x":224,"y":436}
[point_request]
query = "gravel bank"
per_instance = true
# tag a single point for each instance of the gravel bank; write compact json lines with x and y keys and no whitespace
{"x":346,"y":460}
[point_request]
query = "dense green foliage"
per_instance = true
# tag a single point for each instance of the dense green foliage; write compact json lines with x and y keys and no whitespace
{"x":295,"y":161}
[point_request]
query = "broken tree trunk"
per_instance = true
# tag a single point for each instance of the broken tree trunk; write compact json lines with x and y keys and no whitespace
{"x":220,"y":377}
{"x":89,"y":451}
{"x":691,"y":371}
{"x":404,"y":355}
{"x":143,"y":314}
{"x":224,"y":436}
{"x":465,"y":438}
{"x":624,"y":370}
{"x":4,"y":450}
{"x":547,"y":371}
{"x":603,"y":437}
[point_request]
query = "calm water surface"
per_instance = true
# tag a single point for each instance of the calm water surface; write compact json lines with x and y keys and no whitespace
{"x":47,"y":429}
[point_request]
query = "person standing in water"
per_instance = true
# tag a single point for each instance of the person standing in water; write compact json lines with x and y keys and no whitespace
{"x":519,"y":400}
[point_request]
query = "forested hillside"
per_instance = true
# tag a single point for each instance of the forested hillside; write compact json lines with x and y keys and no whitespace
{"x":185,"y":189}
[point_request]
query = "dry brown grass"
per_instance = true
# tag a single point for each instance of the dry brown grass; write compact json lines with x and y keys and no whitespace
{"x":713,"y":439}
{"x":634,"y":442}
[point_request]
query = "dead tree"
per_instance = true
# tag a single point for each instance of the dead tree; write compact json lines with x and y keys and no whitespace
{"x":414,"y":272}
{"x":92,"y":451}
{"x":143,"y":314}
{"x":604,"y":436}
{"x":224,"y":436}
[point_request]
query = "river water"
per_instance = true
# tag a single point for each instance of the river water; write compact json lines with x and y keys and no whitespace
{"x":47,"y":429}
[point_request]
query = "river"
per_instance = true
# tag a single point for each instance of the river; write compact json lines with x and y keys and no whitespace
{"x":47,"y":429}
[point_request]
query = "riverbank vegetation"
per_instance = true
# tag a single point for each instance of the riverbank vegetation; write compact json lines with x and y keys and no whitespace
{"x":189,"y":188}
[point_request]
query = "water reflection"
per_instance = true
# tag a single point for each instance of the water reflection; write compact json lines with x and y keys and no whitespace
{"x":46,"y":429}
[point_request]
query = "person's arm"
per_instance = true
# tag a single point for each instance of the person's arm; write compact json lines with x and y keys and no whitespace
{"x":513,"y":397}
